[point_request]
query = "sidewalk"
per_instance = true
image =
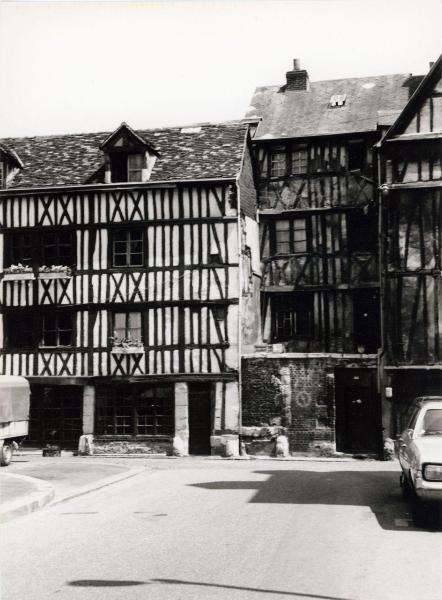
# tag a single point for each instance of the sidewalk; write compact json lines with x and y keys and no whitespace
{"x":31,"y":481}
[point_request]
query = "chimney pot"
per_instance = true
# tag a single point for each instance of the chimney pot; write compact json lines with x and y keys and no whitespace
{"x":296,"y":64}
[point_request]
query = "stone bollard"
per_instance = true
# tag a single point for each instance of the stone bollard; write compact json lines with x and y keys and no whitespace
{"x":231,"y":448}
{"x":282,"y":446}
{"x":178,"y":448}
{"x":86,"y":445}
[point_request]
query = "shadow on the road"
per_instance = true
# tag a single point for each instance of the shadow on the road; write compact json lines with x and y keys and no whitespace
{"x":105,"y":582}
{"x":122,"y":583}
{"x":248,"y":589}
{"x":378,"y":490}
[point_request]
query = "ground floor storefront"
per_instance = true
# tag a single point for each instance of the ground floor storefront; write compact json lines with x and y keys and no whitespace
{"x":130,"y":415}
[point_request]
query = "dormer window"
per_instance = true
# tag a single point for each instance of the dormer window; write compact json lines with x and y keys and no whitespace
{"x":338,"y":100}
{"x":129,"y":157}
{"x":126,"y":167}
{"x":10,"y":165}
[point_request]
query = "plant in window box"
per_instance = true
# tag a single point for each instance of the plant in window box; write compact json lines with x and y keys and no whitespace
{"x":126,"y":346}
{"x":18,"y":272}
{"x":54,"y":272}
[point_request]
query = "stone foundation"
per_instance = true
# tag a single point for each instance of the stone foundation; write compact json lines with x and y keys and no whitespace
{"x":102,"y":446}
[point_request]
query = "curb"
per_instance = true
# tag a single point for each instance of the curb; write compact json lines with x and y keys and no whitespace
{"x":102,"y":483}
{"x":44,"y":494}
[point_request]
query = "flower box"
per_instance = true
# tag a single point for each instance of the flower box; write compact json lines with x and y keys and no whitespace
{"x":127,"y":350}
{"x":18,"y":276}
{"x":54,"y":275}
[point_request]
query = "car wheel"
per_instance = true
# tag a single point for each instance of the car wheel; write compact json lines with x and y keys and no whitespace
{"x":405,"y":486}
{"x":6,"y":454}
{"x":418,"y":511}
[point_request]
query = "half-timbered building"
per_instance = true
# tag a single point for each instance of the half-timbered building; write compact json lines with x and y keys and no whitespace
{"x":318,"y":211}
{"x":129,"y":273}
{"x":411,"y":200}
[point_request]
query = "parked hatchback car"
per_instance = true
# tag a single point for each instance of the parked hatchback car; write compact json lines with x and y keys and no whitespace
{"x":420,"y":457}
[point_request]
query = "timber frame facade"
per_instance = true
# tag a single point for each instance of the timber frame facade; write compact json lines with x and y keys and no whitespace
{"x":411,"y":201}
{"x":121,"y":296}
{"x":332,"y":277}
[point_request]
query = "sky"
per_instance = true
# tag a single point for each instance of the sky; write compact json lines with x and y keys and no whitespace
{"x":74,"y":67}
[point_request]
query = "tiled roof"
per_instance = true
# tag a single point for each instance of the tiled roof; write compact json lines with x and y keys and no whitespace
{"x":293,"y":113}
{"x":206,"y":151}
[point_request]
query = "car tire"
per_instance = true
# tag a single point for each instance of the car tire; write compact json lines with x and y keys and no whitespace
{"x":6,"y":454}
{"x":405,"y":486}
{"x":419,"y":512}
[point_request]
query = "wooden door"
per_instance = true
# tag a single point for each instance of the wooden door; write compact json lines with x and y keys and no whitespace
{"x":200,"y":417}
{"x":358,"y":418}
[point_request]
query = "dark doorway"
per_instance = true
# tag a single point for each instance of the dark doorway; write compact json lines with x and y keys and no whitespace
{"x":366,"y":321}
{"x":358,"y":420}
{"x":200,"y":421}
{"x":56,"y":414}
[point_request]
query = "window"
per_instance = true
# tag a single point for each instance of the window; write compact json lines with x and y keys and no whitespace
{"x":134,"y":167}
{"x":292,"y":316}
{"x":277,"y":164}
{"x":291,"y":236}
{"x":127,"y":326}
{"x":362,"y":230}
{"x":135,"y":410}
{"x":57,"y":248}
{"x":356,"y":156}
{"x":57,"y":329}
{"x":128,"y":248}
{"x":20,"y":245}
{"x":299,"y":162}
{"x":19,"y":331}
{"x":126,"y":167}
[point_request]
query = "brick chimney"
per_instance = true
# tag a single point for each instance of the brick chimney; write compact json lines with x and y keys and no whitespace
{"x":297,"y":79}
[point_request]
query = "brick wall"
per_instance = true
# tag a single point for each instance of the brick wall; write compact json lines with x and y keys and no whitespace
{"x":295,"y":393}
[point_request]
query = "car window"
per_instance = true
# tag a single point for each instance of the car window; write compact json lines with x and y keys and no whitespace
{"x":412,"y":422}
{"x":432,"y":424}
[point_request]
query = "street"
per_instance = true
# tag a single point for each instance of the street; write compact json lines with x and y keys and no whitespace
{"x":242,"y":530}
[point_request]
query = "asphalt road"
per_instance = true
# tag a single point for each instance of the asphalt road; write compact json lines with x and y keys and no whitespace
{"x":217,"y":530}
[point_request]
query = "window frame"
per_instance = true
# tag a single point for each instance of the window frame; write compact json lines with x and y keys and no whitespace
{"x":61,"y":236}
{"x":57,"y":330}
{"x":127,"y":314}
{"x":128,"y":231}
{"x":19,"y":318}
{"x":282,"y":170}
{"x":291,"y":236}
{"x":300,"y":315}
{"x":301,"y":150}
{"x":111,"y":399}
{"x":9,"y":244}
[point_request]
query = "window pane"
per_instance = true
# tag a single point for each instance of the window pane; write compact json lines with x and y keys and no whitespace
{"x":135,"y":161}
{"x":278,"y":164}
{"x":120,"y":260}
{"x":65,"y":338}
